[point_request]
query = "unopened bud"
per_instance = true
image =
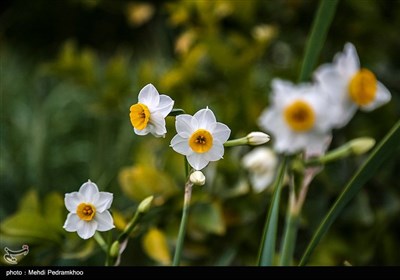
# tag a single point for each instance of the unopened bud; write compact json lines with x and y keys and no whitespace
{"x":197,"y":178}
{"x":361,"y":145}
{"x":257,"y":138}
{"x":145,"y":205}
{"x":114,"y":250}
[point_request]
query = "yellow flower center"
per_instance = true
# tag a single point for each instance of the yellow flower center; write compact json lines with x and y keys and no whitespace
{"x":300,"y":116}
{"x":201,"y":141}
{"x":362,"y":87}
{"x":86,"y":211}
{"x":140,"y":116}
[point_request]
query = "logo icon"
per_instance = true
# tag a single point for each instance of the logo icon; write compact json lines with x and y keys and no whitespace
{"x":10,"y":255}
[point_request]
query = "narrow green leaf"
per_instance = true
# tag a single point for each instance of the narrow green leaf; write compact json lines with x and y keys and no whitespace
{"x":267,"y":247}
{"x":322,"y":21}
{"x":289,"y":239}
{"x":381,"y":152}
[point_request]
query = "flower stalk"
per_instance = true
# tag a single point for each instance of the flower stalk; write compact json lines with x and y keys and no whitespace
{"x":182,"y":227}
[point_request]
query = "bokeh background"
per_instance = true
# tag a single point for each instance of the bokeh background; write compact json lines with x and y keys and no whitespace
{"x":71,"y":69}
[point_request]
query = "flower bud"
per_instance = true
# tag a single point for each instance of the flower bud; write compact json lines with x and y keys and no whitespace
{"x":197,"y":178}
{"x":361,"y":145}
{"x":114,"y":250}
{"x":145,"y":205}
{"x":257,"y":138}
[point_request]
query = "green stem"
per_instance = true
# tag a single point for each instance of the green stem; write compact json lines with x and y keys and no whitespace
{"x":108,"y":256}
{"x":182,"y":227}
{"x":100,"y":240}
{"x":133,"y":222}
{"x":236,"y":142}
{"x":386,"y":148}
{"x":267,"y":246}
{"x":187,"y":167}
{"x":322,"y":21}
{"x":103,"y":245}
{"x":333,"y":155}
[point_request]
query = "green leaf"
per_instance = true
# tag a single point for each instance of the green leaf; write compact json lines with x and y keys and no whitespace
{"x":208,"y":217}
{"x":53,"y":209}
{"x":364,"y":173}
{"x":267,"y":248}
{"x":29,"y":202}
{"x":30,"y":226}
{"x":140,"y":181}
{"x":289,"y":239}
{"x":322,"y":21}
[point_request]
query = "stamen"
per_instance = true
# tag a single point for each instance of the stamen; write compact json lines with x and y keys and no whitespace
{"x":300,"y":116}
{"x":363,"y":87}
{"x":139,"y":115}
{"x":201,"y":141}
{"x":86,"y":211}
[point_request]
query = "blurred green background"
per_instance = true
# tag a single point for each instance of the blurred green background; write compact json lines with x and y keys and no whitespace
{"x":71,"y":69}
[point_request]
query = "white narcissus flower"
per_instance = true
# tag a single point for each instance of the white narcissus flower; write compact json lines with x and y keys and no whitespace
{"x":299,"y":118}
{"x":200,"y":138}
{"x":88,"y":210}
{"x":261,"y":163}
{"x":350,"y":87}
{"x":148,"y":115}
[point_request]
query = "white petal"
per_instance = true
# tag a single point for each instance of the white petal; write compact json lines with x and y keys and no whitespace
{"x":181,"y":145}
{"x":89,"y":192}
{"x":149,"y":96}
{"x":71,"y":223}
{"x":157,"y":127}
{"x":260,"y":160}
{"x":104,"y":221}
{"x":221,"y":132}
{"x":286,"y":142}
{"x":327,"y":77}
{"x":346,"y":111}
{"x":165,"y":106}
{"x":271,"y":120}
{"x":86,"y":229}
{"x":341,"y":108}
{"x":103,"y":202}
{"x":197,"y":161}
{"x":144,"y":131}
{"x":279,"y":85}
{"x":330,"y":82}
{"x":72,"y":200}
{"x":347,"y":62}
{"x":382,"y":96}
{"x":317,"y":144}
{"x":325,"y":111}
{"x":183,"y":125}
{"x":205,"y":118}
{"x":260,"y":182}
{"x":216,"y":152}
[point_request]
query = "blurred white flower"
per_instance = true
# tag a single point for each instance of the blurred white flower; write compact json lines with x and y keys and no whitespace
{"x":299,"y":118}
{"x":261,"y":163}
{"x":148,"y":115}
{"x":200,"y":138}
{"x":350,"y":87}
{"x":88,"y":210}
